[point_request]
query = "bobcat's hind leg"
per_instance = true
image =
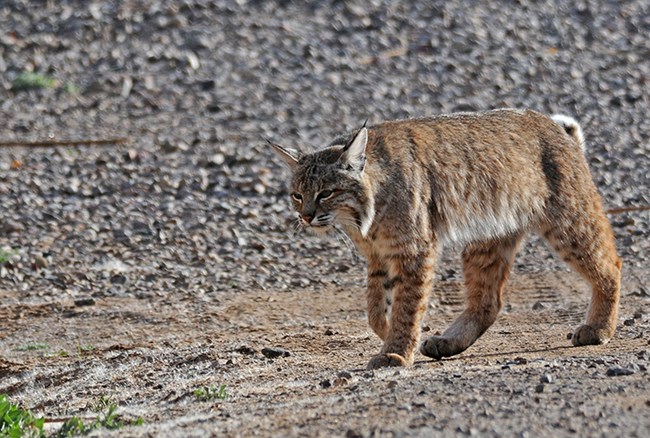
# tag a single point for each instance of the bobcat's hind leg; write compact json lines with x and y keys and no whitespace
{"x":586,"y":243}
{"x":486,"y":267}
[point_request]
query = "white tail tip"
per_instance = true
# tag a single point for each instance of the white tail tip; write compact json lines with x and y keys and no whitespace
{"x":572,"y":127}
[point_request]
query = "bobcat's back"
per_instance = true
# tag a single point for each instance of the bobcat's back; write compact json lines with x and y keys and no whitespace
{"x":477,"y":176}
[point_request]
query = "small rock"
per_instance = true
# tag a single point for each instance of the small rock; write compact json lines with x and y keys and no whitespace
{"x":344,"y":375}
{"x":539,"y":388}
{"x":169,"y":145}
{"x":207,"y":85}
{"x":40,"y":262}
{"x":218,"y":159}
{"x":245,"y":349}
{"x":643,"y":292}
{"x":118,"y":279}
{"x":325,"y":384}
{"x":628,"y":322}
{"x":353,"y":434}
{"x":328,"y":332}
{"x":638,"y":314}
{"x":614,"y":372}
{"x":272,"y":353}
{"x":120,"y":235}
{"x":141,"y":228}
{"x":11,"y":226}
{"x":131,"y":155}
{"x":259,"y":188}
{"x":546,"y":378}
{"x":79,"y":302}
{"x":539,"y":306}
{"x":520,"y":361}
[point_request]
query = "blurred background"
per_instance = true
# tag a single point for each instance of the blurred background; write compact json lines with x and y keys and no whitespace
{"x":172,"y":184}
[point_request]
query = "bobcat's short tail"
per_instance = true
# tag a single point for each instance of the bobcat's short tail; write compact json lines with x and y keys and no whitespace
{"x":571,"y":126}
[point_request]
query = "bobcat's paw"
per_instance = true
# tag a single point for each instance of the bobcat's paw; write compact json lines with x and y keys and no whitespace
{"x":387,"y":360}
{"x":438,"y":347}
{"x":588,"y":335}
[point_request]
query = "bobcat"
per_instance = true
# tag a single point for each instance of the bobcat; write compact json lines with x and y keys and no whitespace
{"x":402,"y":189}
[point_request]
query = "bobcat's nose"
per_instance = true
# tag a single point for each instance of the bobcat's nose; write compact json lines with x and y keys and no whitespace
{"x":307,"y":217}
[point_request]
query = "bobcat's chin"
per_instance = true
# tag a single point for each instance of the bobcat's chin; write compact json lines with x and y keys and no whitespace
{"x":320,"y":228}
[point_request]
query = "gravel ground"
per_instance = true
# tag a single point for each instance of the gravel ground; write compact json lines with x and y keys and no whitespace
{"x":169,"y":247}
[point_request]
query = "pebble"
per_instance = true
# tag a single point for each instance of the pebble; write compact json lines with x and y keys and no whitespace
{"x":12,"y":226}
{"x":539,"y":306}
{"x":612,"y":372}
{"x":40,"y":262}
{"x":546,"y":378}
{"x":344,"y":375}
{"x":245,"y":349}
{"x":80,"y":302}
{"x":118,"y":279}
{"x":273,"y":353}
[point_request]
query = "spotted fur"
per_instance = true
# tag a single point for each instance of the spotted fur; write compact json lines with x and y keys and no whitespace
{"x":402,"y":189}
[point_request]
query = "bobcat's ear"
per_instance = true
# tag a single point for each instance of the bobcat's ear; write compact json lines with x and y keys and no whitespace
{"x":289,"y":156}
{"x":354,"y":153}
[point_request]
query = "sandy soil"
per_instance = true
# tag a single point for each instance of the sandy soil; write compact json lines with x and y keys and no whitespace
{"x":520,"y":379}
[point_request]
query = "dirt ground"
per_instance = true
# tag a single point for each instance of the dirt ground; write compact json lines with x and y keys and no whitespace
{"x":148,"y":250}
{"x":522,"y":378}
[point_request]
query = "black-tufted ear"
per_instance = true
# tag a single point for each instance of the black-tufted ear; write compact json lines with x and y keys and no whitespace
{"x":354,"y":153}
{"x":289,"y":156}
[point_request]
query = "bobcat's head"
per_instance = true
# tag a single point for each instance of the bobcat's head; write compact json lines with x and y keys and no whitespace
{"x":330,"y":187}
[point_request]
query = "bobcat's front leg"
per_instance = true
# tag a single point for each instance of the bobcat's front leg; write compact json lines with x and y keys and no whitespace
{"x":411,"y":277}
{"x":376,"y":297}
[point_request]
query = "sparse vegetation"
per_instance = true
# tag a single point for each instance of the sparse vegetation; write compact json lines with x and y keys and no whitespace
{"x":37,"y":81}
{"x":16,"y":422}
{"x":83,"y":349}
{"x":107,"y":418}
{"x":32,"y":81}
{"x":213,"y":392}
{"x":33,"y":347}
{"x":71,"y":88}
{"x":6,"y":255}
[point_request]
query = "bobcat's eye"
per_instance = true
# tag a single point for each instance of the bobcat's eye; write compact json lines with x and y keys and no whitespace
{"x":325,"y":194}
{"x":296,"y":197}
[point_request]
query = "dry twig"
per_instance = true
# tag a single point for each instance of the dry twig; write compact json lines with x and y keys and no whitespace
{"x":50,"y":143}
{"x":626,"y":209}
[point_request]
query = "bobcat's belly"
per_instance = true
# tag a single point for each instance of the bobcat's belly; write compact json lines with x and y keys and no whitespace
{"x":501,"y":217}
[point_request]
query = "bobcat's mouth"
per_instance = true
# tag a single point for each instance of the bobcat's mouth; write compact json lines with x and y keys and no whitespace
{"x":321,"y":223}
{"x":323,"y":220}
